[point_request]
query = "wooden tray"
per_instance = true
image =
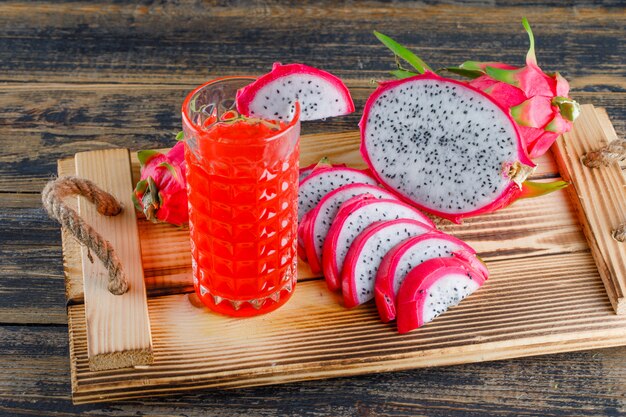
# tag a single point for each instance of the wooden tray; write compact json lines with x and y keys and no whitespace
{"x":545,"y":295}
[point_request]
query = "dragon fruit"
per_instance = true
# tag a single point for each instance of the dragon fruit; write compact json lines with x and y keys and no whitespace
{"x":161,"y":193}
{"x":434,"y":286}
{"x":319,"y":183}
{"x":273,"y":95}
{"x":537,"y":101}
{"x":366,"y":253}
{"x":316,"y":223}
{"x":405,"y":256}
{"x":446,"y":147}
{"x":352,"y":218}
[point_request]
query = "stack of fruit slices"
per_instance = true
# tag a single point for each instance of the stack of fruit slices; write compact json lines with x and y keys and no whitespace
{"x":370,"y":245}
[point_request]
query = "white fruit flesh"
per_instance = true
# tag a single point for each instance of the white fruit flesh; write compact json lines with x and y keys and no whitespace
{"x":447,"y":291}
{"x":373,"y":252}
{"x":420,"y":252}
{"x":440,"y":144}
{"x":319,"y":98}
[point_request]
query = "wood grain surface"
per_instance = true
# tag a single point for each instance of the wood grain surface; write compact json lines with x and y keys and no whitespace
{"x":85,"y":76}
{"x":599,"y":199}
{"x":117,"y":326}
{"x":539,"y":306}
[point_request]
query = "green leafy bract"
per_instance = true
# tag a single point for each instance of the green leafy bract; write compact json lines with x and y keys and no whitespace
{"x":402,"y":52}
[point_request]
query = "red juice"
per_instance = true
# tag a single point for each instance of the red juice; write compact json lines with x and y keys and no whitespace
{"x":242,"y":185}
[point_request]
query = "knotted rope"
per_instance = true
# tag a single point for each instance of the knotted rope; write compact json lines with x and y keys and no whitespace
{"x":615,"y":151}
{"x":52,"y":197}
{"x":619,"y":233}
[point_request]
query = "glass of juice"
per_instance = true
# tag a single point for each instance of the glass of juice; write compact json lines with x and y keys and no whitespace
{"x":242,"y":184}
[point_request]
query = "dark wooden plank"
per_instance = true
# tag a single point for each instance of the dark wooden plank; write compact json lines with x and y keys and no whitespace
{"x":31,"y":276}
{"x":34,"y":381}
{"x":172,"y":43}
{"x":32,"y":285}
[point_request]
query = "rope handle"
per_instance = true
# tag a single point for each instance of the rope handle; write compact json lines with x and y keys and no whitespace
{"x":52,"y":197}
{"x":615,"y":151}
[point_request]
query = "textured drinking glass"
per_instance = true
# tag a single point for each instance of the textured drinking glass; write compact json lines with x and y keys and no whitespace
{"x":243,"y":204}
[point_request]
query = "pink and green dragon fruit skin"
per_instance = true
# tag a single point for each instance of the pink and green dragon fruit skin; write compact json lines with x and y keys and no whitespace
{"x":539,"y":102}
{"x":161,"y":194}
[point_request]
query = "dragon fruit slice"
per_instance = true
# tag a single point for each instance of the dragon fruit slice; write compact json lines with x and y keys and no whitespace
{"x":316,"y":223}
{"x":314,"y":187}
{"x":446,"y":147}
{"x":366,"y":253}
{"x":273,"y":95}
{"x":352,"y":218}
{"x":161,"y":193}
{"x":403,"y":257}
{"x":433,"y":287}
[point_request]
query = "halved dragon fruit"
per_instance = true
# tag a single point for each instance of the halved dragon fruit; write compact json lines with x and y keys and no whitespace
{"x":352,"y":218}
{"x":316,"y":223}
{"x":447,"y":147}
{"x":319,"y":183}
{"x":273,"y":95}
{"x":366,"y":253}
{"x":405,"y":256}
{"x":538,"y":101}
{"x":433,"y":287}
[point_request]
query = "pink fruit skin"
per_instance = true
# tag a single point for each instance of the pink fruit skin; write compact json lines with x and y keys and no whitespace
{"x":176,"y":155}
{"x":329,"y":261}
{"x":315,"y":262}
{"x":304,"y":233}
{"x":301,"y":252}
{"x":172,"y":189}
{"x":348,"y":287}
{"x":509,"y":194}
{"x":308,"y":226}
{"x":384,"y":294}
{"x":504,"y":93}
{"x":414,"y":289}
{"x":247,"y":93}
{"x":300,"y":246}
{"x":534,"y":83}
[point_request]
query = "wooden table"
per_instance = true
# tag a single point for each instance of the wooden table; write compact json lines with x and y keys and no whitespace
{"x":86,"y":76}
